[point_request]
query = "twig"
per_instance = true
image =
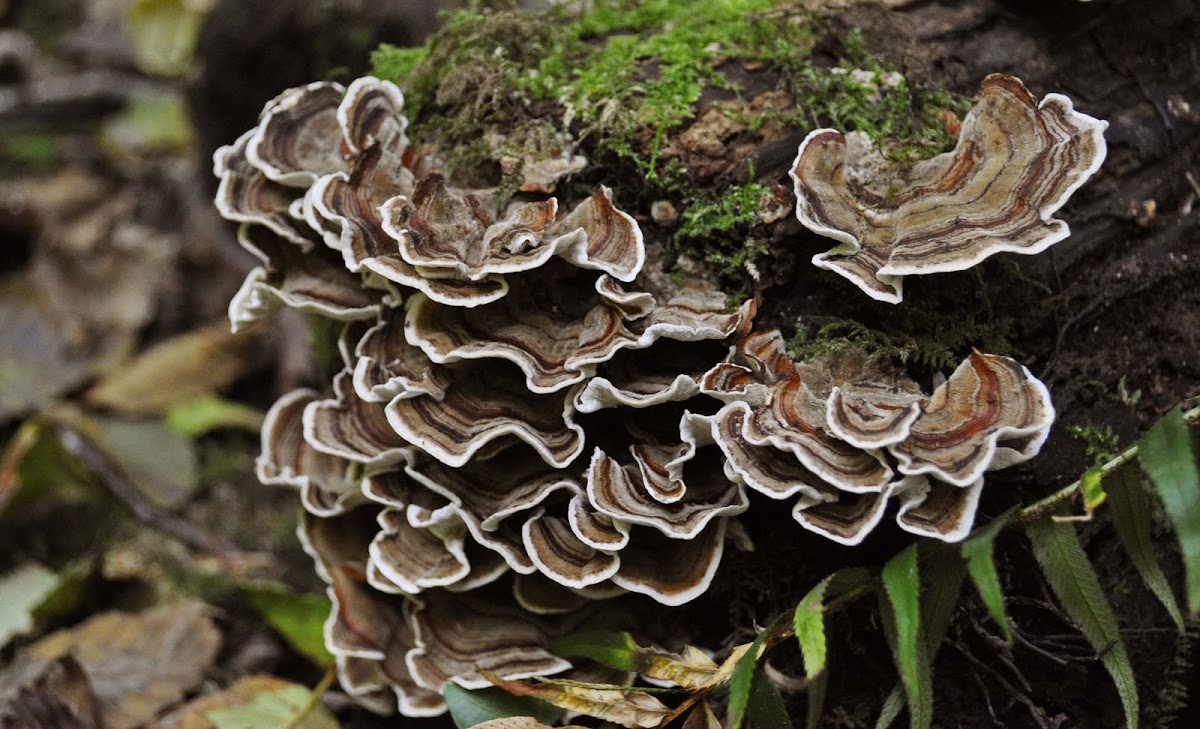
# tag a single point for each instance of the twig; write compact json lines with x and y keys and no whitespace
{"x":1038,"y":715}
{"x":118,"y":485}
{"x":314,"y":698}
{"x":1065,"y":494}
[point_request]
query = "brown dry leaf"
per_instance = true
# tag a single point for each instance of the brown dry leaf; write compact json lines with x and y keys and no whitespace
{"x":192,"y":715}
{"x":726,"y":670}
{"x":627,"y":707}
{"x":242,"y":696}
{"x":702,"y":717}
{"x":518,"y":722}
{"x":691,"y":669}
{"x":200,"y":362}
{"x":59,"y":697}
{"x":101,"y":269}
{"x":38,"y":361}
{"x":137,"y":663}
{"x":143,"y":454}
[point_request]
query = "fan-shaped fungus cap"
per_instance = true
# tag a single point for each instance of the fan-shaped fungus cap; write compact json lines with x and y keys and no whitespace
{"x":963,"y":427}
{"x":1016,"y":163}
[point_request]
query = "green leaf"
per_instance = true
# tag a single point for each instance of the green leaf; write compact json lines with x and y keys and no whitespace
{"x":742,"y":679}
{"x":892,"y":706}
{"x":163,"y":34}
{"x":766,"y":709}
{"x":1069,"y":573}
{"x":614,"y":649}
{"x":978,"y":551}
{"x":1129,"y":507}
{"x":290,"y":706}
{"x":902,"y":585}
{"x":197,"y":416}
{"x":1168,"y":455}
{"x":21,"y":591}
{"x":944,"y":573}
{"x":1092,"y":486}
{"x":298,"y":618}
{"x":808,"y":621}
{"x":469,"y":708}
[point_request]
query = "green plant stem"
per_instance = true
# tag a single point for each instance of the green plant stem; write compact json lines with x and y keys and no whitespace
{"x":314,"y":698}
{"x":1040,"y":508}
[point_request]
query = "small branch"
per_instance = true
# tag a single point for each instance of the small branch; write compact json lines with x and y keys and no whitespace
{"x":119,"y":486}
{"x":314,"y":698}
{"x":1037,"y":510}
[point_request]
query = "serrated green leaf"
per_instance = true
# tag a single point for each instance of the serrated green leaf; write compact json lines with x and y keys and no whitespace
{"x":902,"y":586}
{"x":808,"y":622}
{"x":944,"y":573}
{"x":892,"y":706}
{"x":614,"y":649}
{"x":1168,"y":455}
{"x":299,"y":618}
{"x":766,"y":709}
{"x":1073,"y":580}
{"x":468,"y":708}
{"x":742,"y":679}
{"x":1129,"y":507}
{"x":978,"y":551}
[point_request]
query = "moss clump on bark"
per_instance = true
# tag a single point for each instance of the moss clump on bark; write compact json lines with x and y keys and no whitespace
{"x":623,"y":74}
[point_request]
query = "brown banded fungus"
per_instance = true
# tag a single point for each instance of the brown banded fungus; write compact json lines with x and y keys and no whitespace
{"x":520,"y":430}
{"x":1016,"y":163}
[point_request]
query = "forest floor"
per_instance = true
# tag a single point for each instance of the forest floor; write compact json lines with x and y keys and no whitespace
{"x":127,"y":470}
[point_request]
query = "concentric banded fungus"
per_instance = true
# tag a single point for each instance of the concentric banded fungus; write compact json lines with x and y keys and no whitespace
{"x":519,"y":430}
{"x":828,"y":431}
{"x":1016,"y":163}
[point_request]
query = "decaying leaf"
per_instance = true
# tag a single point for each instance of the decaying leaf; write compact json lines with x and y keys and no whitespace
{"x":20,"y":593}
{"x":38,"y":360}
{"x":156,"y":460}
{"x":59,"y":697}
{"x":627,"y":707}
{"x":286,"y":706}
{"x":702,"y":717}
{"x":692,"y":668}
{"x":517,"y":722}
{"x":182,"y":368}
{"x":137,"y":663}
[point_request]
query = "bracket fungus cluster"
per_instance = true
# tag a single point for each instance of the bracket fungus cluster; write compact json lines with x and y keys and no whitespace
{"x":520,"y":430}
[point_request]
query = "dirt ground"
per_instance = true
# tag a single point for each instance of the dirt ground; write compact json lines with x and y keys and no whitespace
{"x":1109,"y":319}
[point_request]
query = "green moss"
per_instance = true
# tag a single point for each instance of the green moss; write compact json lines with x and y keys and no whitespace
{"x":911,"y":336}
{"x":1101,"y":444}
{"x":720,"y":229}
{"x":735,"y":208}
{"x":623,"y":73}
{"x":29,"y":151}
